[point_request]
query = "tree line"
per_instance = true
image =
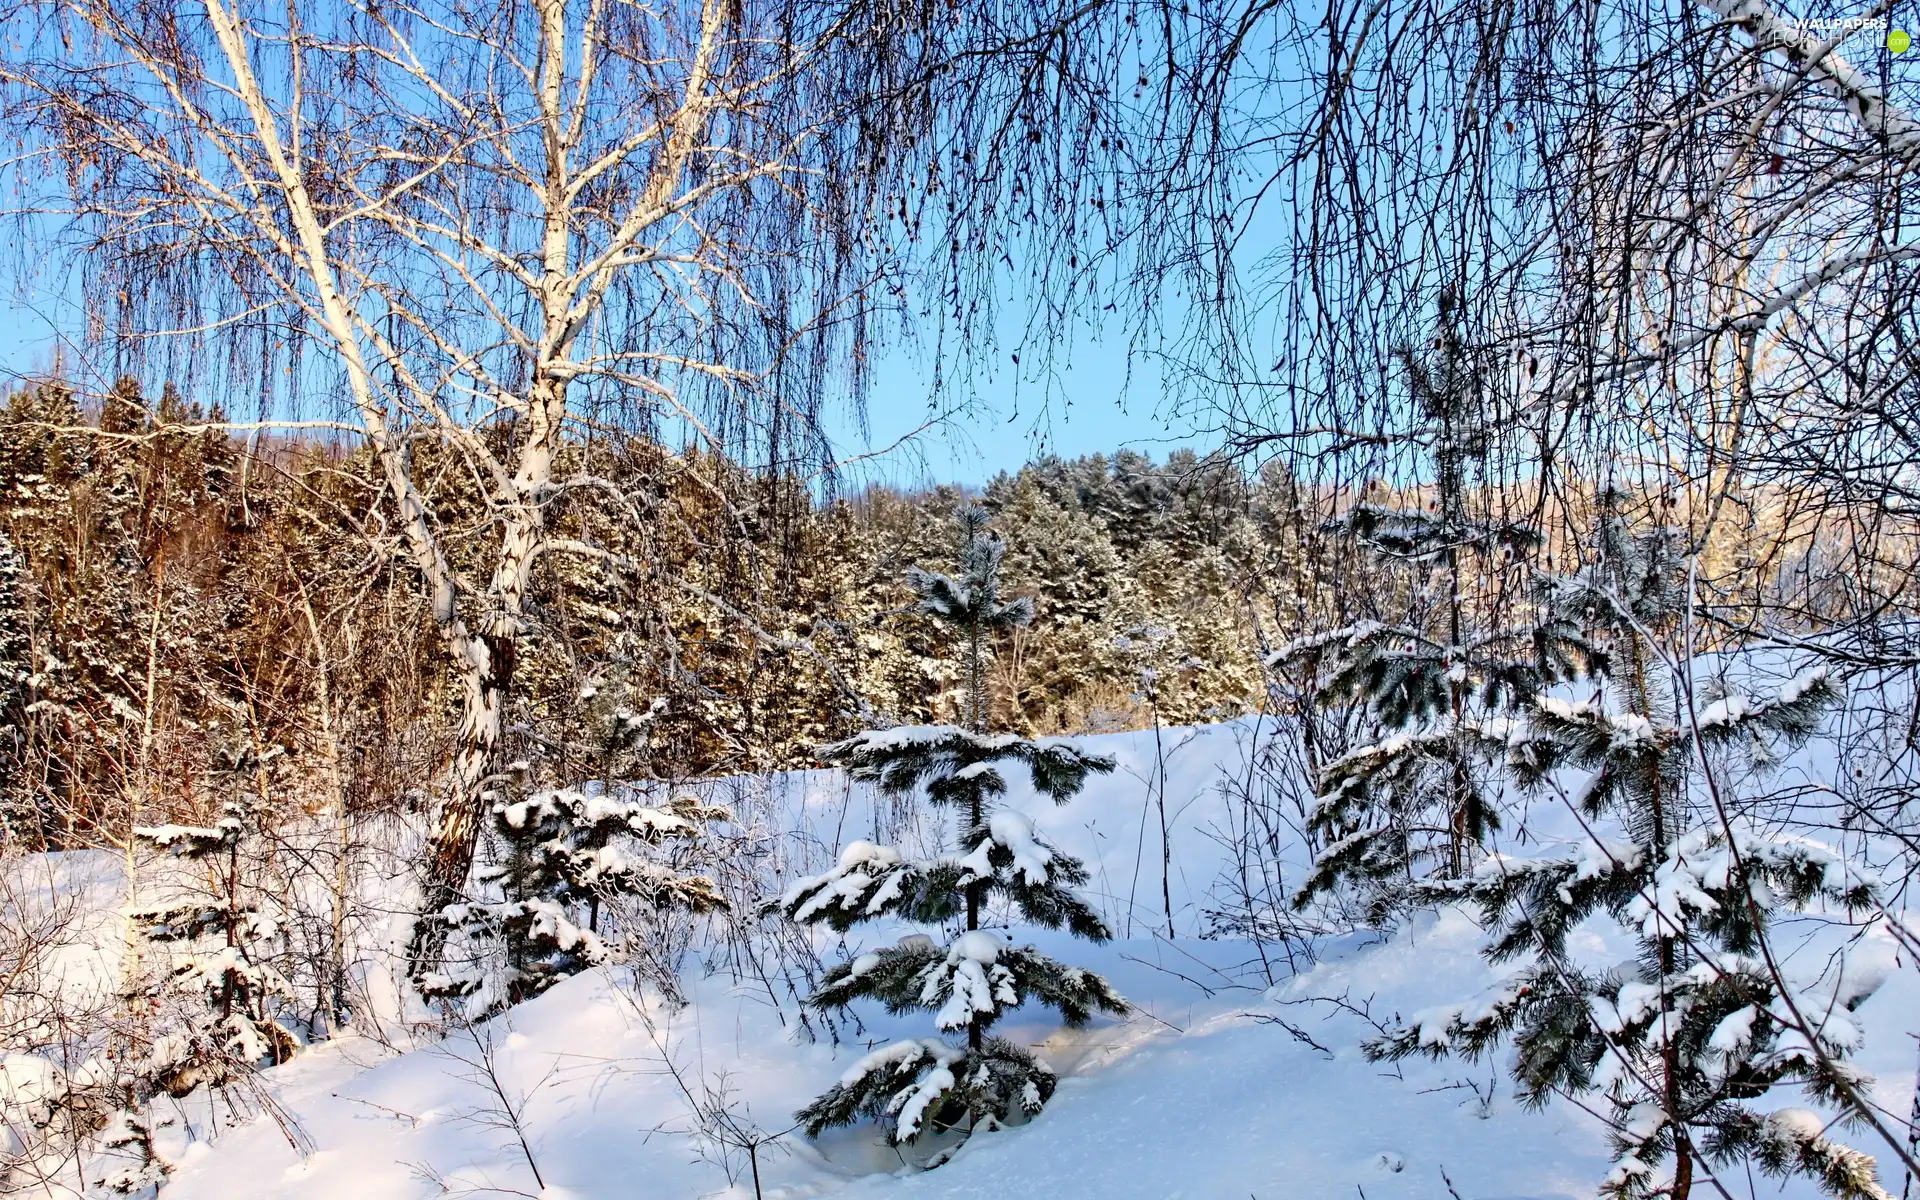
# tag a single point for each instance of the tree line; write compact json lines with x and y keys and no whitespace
{"x":176,"y":592}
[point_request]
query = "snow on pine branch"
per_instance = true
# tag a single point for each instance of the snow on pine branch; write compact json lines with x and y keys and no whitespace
{"x":192,"y":841}
{"x":970,"y":981}
{"x":868,"y":881}
{"x":1703,"y":869}
{"x":927,"y":1060}
{"x":684,"y":816}
{"x":1346,"y":637}
{"x":900,"y":758}
{"x":1014,"y":832}
{"x":1793,"y":710}
{"x":1794,"y":1140}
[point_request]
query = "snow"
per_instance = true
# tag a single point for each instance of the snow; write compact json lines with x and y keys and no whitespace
{"x":1728,"y":710}
{"x":976,"y":946}
{"x":851,"y":884}
{"x":183,"y":836}
{"x":1734,"y":1031}
{"x":902,"y":737}
{"x":1351,"y":635}
{"x":1799,"y":1124}
{"x":969,"y":981}
{"x":1238,"y":1073}
{"x":1201,"y":1100}
{"x":1389,"y":747}
{"x":860,"y":854}
{"x":29,"y":1084}
{"x":1802,"y":683}
{"x":912,"y":1102}
{"x":1014,"y":831}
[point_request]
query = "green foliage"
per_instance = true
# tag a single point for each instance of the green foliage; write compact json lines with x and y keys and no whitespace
{"x":907,"y":976}
{"x":1699,"y":1035}
{"x":957,"y":764}
{"x":1793,"y":1141}
{"x":1428,"y":685}
{"x":217,"y":940}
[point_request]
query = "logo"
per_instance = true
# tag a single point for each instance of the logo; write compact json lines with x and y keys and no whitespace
{"x":1842,"y":30}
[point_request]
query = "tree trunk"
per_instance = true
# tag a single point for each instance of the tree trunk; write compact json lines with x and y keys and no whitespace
{"x":1666,"y":944}
{"x":1453,"y":515}
{"x":1160,"y":796}
{"x":974,"y":810}
{"x":488,"y":677}
{"x":457,"y":828}
{"x":1913,"y":1138}
{"x":977,"y":721}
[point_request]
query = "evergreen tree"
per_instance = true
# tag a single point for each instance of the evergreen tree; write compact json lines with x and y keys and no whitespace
{"x":1414,"y":800}
{"x":133,"y":1165}
{"x":971,"y":604}
{"x":923,"y":1085}
{"x":1065,"y":555}
{"x":563,"y":860}
{"x":1679,"y":1041}
{"x":622,"y":718}
{"x":217,"y":934}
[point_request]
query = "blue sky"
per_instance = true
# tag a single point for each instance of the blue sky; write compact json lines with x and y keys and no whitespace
{"x":1092,"y":403}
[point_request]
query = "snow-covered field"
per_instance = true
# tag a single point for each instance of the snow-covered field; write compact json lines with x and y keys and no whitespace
{"x":1238,"y":1075}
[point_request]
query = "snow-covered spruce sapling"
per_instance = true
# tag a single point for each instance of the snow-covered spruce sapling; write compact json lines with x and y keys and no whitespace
{"x":133,"y":1165}
{"x":566,"y":853}
{"x":216,"y":934}
{"x":1681,"y":1040}
{"x":920,"y":1086}
{"x":924,"y":1085}
{"x":1414,"y":799}
{"x":969,"y":605}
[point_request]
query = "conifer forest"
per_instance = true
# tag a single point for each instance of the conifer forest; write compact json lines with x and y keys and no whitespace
{"x":893,"y":599}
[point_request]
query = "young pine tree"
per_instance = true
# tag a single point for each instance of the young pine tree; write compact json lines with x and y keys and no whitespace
{"x":132,"y":1166}
{"x":925,"y":1085}
{"x":218,"y":934}
{"x":1414,"y":800}
{"x":1680,"y":1041}
{"x":566,"y":853}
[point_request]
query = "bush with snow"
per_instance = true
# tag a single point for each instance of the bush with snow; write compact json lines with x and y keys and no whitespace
{"x":215,"y":943}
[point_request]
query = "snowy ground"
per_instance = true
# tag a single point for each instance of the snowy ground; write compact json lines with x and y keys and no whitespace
{"x":1221,"y":1085}
{"x":1199,"y":1099}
